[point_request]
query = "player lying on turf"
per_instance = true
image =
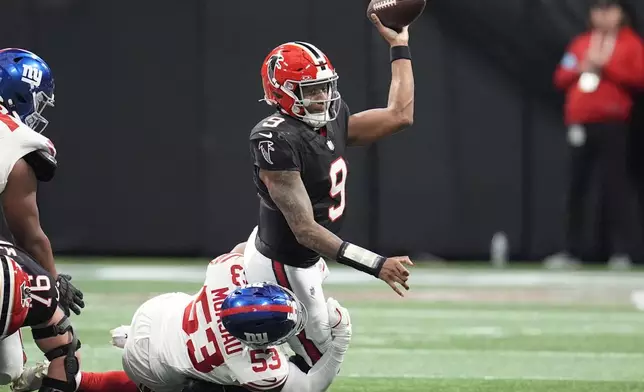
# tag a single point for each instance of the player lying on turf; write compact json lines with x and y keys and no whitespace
{"x":227,"y":335}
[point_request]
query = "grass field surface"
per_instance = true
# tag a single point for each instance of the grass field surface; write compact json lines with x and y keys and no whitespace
{"x":459,"y":330}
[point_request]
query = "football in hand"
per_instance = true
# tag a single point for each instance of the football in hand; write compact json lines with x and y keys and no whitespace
{"x":396,"y":14}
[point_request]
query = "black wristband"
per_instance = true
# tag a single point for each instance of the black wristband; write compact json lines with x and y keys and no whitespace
{"x":360,"y":259}
{"x":399,"y":52}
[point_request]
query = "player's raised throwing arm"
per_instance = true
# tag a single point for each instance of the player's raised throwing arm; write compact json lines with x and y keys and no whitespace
{"x":369,"y":126}
{"x":287,"y":191}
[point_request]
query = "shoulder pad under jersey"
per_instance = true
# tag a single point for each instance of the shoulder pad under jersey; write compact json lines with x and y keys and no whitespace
{"x":276,"y":124}
{"x":43,"y":164}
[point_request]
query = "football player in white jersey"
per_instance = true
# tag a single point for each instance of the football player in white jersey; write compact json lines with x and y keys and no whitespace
{"x":26,"y":157}
{"x":229,"y":333}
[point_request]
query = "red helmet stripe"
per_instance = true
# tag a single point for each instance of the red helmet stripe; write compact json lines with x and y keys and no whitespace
{"x":257,"y":308}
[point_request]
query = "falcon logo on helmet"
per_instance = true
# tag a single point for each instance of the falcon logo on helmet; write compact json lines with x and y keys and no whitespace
{"x":275,"y":61}
{"x":300,"y":80}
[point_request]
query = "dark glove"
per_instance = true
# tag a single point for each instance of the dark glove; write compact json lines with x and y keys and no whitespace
{"x":71,"y":298}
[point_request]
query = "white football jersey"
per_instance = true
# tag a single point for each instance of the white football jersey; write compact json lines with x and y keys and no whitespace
{"x":16,"y":141}
{"x":193,"y":341}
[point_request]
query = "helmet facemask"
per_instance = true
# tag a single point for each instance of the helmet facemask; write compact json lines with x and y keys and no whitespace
{"x":36,"y":120}
{"x":317,"y":101}
{"x":300,"y":316}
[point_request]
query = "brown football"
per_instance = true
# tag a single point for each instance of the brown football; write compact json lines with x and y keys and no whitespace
{"x":396,"y":14}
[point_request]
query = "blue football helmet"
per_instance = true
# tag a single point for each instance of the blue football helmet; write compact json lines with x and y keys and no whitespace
{"x":26,"y":86}
{"x":263,"y":314}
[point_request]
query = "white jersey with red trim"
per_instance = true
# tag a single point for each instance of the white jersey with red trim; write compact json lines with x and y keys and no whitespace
{"x":193,"y":341}
{"x":16,"y":141}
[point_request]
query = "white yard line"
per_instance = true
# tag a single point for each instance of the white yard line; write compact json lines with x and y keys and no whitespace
{"x":339,"y":275}
{"x":506,"y":315}
{"x":394,"y":330}
{"x":438,"y":353}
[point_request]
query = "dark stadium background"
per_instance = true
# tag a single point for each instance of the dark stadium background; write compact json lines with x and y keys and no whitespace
{"x":155,"y":99}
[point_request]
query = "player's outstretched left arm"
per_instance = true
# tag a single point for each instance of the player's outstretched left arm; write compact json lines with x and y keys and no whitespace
{"x":371,"y":125}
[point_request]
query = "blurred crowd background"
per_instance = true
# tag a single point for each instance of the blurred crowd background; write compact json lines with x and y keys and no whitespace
{"x":527,"y":144}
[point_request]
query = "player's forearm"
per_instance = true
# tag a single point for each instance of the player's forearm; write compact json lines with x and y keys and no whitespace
{"x":401,"y":91}
{"x":318,"y":239}
{"x":39,"y":248}
{"x":289,"y":194}
{"x":327,"y":244}
{"x":320,"y":377}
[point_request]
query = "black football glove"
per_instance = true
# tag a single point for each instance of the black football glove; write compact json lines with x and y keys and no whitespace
{"x":71,"y":298}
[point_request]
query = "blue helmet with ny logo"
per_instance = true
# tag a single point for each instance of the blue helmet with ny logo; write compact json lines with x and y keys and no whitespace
{"x":263,"y":314}
{"x":26,"y":86}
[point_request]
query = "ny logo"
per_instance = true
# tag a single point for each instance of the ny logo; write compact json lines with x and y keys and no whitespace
{"x":31,"y":75}
{"x":256,"y":338}
{"x":292,"y":314}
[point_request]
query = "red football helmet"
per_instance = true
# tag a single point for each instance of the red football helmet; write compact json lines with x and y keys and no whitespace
{"x":299,"y":79}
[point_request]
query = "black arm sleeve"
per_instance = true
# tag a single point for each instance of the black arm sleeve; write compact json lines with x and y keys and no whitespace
{"x":43,"y":164}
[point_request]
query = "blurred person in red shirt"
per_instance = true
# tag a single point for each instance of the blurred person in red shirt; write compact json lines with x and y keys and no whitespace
{"x":599,"y":73}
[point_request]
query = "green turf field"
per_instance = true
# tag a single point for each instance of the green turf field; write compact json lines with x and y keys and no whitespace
{"x":458,"y":330}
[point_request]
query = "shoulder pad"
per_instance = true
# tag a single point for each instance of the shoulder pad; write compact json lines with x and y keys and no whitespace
{"x":271,"y":125}
{"x":43,"y":164}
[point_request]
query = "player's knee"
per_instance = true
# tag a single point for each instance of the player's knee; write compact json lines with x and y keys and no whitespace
{"x":63,"y":355}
